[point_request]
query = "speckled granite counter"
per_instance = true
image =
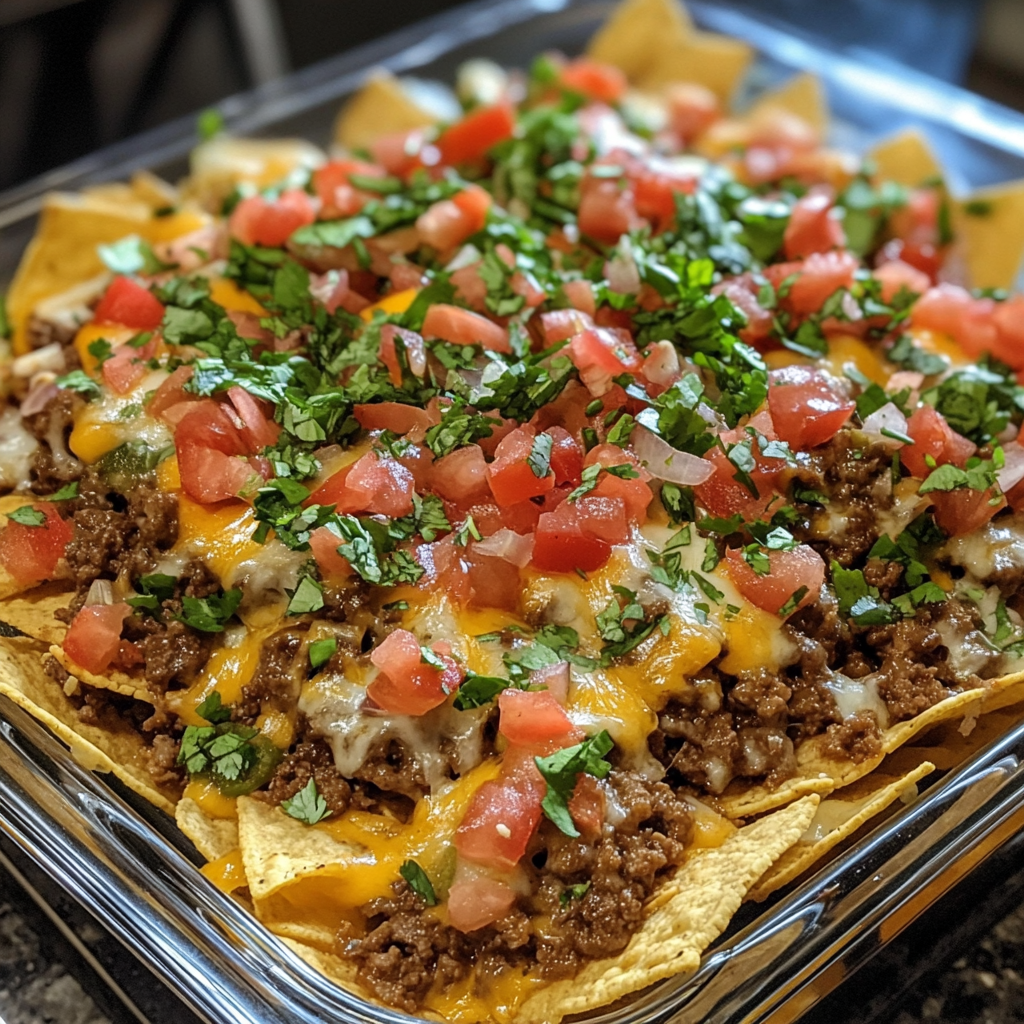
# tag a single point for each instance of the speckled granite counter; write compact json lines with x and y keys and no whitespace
{"x":973,"y":969}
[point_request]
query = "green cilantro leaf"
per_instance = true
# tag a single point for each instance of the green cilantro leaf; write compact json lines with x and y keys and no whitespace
{"x":213,"y":710}
{"x":321,"y":652}
{"x":307,"y":806}
{"x":561,"y":771}
{"x":208,"y":614}
{"x":66,"y":493}
{"x":539,"y":459}
{"x":307,"y":597}
{"x":419,"y":882}
{"x":27,"y":516}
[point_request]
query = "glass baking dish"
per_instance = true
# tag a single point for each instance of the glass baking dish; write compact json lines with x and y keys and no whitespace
{"x":129,"y":866}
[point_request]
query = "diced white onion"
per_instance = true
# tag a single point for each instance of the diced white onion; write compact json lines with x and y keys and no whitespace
{"x":555,"y":679}
{"x":621,"y":270}
{"x":101,"y":592}
{"x":513,"y":547}
{"x":668,"y":463}
{"x":1013,"y":469}
{"x":886,"y":418}
{"x":38,"y":398}
{"x":49,"y":358}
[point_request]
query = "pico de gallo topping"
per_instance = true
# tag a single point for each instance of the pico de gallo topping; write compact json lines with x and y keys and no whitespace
{"x":620,"y":457}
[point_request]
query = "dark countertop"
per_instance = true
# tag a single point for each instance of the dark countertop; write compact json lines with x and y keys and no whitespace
{"x":960,"y":963}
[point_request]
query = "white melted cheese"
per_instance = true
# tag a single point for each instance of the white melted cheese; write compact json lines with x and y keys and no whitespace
{"x":998,"y":546}
{"x":17,"y":446}
{"x":970,"y":651}
{"x":334,"y":706}
{"x":855,"y":695}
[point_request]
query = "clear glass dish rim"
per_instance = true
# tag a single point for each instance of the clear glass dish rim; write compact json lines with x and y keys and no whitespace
{"x":215,"y":955}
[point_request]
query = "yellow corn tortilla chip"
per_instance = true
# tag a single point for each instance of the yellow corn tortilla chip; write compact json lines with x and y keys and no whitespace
{"x":63,"y":251}
{"x":813,"y":764}
{"x":635,"y":31}
{"x":717,"y":62}
{"x":906,"y":158}
{"x":32,"y":612}
{"x":339,"y":971}
{"x":803,"y":96}
{"x":277,"y":849}
{"x":837,"y":818}
{"x":112,"y":746}
{"x":989,"y":224}
{"x":212,"y":837}
{"x":696,"y":906}
{"x":381,"y":107}
{"x":114,"y":680}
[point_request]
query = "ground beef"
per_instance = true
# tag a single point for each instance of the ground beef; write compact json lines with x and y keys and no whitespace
{"x":856,"y":738}
{"x":279,"y":674}
{"x":309,"y":760}
{"x":854,"y":476}
{"x":48,"y":332}
{"x":389,"y":767}
{"x":123,"y":540}
{"x":162,"y":761}
{"x":405,"y":950}
{"x":53,"y":465}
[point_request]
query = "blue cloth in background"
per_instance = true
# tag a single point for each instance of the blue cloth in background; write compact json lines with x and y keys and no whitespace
{"x":935,"y":36}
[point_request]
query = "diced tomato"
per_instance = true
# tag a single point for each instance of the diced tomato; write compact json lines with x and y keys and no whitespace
{"x":492,"y":582}
{"x":789,"y":572}
{"x":449,"y":222}
{"x":586,"y":805}
{"x":171,"y":392}
{"x":208,"y":424}
{"x":821,"y":275}
{"x":531,"y":717}
{"x":407,"y":684}
{"x":807,"y":407}
{"x":127,"y":366}
{"x":812,"y":226}
{"x":399,"y":152}
{"x":415,"y":352}
{"x":601,"y":353}
{"x":554,"y":679}
{"x":603,"y":82}
{"x":338,"y":196}
{"x":692,"y":109}
{"x":30,"y":553}
{"x":463,"y":327}
{"x":560,"y":545}
{"x":503,"y":814}
{"x":393,"y":416}
{"x":1008,"y":320}
{"x":742,"y":292}
{"x":209,"y":475}
{"x":377,"y":484}
{"x":471,"y":138}
{"x":324,"y":545}
{"x":258,"y":430}
{"x":94,"y":636}
{"x":963,"y":511}
{"x":127,"y":302}
{"x":260,"y":221}
{"x":933,"y":437}
{"x":566,"y":456}
{"x":655,"y":186}
{"x":478,"y":902}
{"x":562,"y":324}
{"x":635,"y":492}
{"x":896,"y":275}
{"x":952,"y":310}
{"x":917,"y":222}
{"x":607,"y":211}
{"x":724,"y":495}
{"x":581,"y":296}
{"x":461,"y":477}
{"x":511,"y":476}
{"x":603,"y":518}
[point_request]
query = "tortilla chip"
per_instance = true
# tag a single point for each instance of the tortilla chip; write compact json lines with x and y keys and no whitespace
{"x":804,"y":96}
{"x":63,"y":251}
{"x":814,"y":765}
{"x":32,"y":612}
{"x":277,"y":849}
{"x":118,"y":682}
{"x":340,"y":971}
{"x":112,"y":746}
{"x":701,"y":900}
{"x":717,"y":62}
{"x":635,"y":31}
{"x":837,"y":818}
{"x":221,"y":163}
{"x":906,"y":158}
{"x":153,"y":190}
{"x":212,"y":837}
{"x":381,"y":107}
{"x":990,"y":225}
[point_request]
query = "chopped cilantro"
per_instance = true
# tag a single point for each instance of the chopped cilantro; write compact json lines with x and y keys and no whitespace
{"x":539,"y":459}
{"x":321,"y":652}
{"x":307,"y":806}
{"x":213,"y":710}
{"x":208,"y":614}
{"x":27,"y":516}
{"x":561,"y":771}
{"x":419,"y":882}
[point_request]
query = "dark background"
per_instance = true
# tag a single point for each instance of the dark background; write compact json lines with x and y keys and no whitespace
{"x":78,"y":74}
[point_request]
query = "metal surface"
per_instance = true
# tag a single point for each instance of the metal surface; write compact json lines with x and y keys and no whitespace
{"x":135,"y":874}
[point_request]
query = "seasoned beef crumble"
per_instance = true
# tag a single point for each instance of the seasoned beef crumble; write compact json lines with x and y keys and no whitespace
{"x":406,"y":950}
